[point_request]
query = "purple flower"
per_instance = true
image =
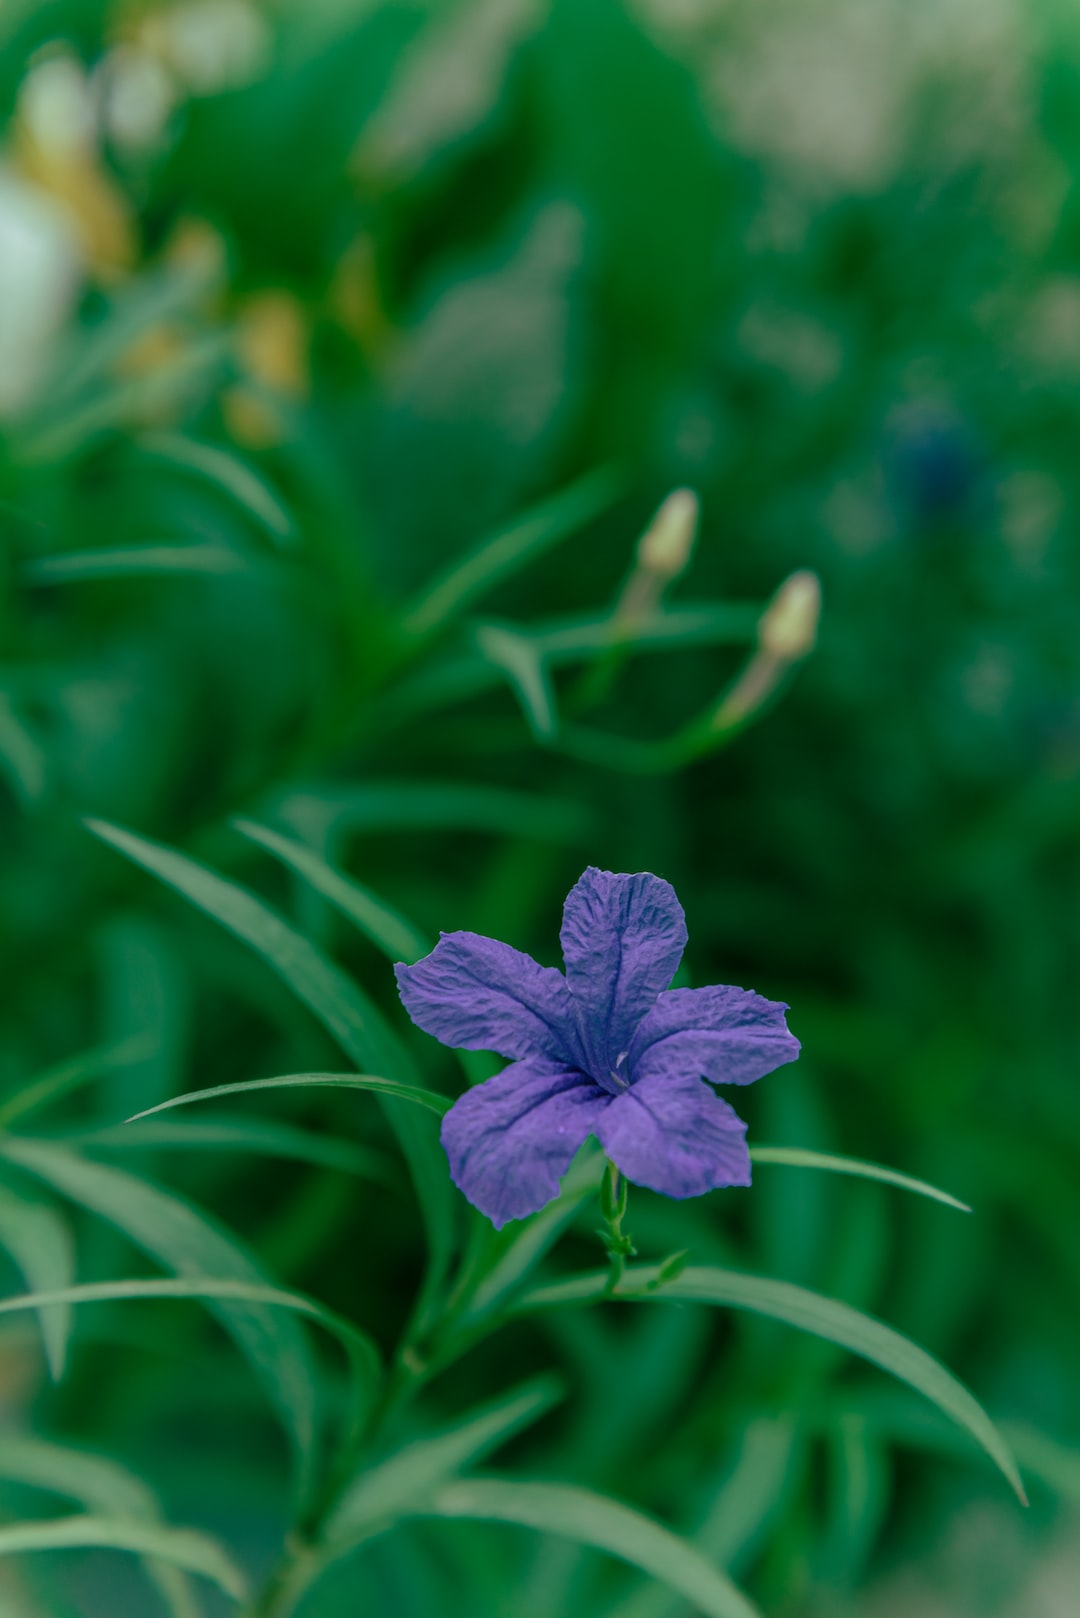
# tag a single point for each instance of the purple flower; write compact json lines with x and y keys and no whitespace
{"x":608,"y":1050}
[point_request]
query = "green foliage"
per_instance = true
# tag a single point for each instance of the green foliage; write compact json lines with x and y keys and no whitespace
{"x":336,"y":385}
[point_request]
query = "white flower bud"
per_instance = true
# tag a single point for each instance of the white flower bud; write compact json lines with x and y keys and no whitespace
{"x":787,"y":629}
{"x":664,"y":548}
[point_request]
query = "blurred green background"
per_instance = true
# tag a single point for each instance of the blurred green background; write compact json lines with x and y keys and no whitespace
{"x":299,"y":305}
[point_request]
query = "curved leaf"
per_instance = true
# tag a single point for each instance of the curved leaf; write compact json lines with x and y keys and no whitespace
{"x":265,"y":1136}
{"x":342,"y":1008}
{"x":387,"y":929}
{"x":807,"y":1311}
{"x":134,"y":562}
{"x":299,"y":1081}
{"x":73,"y":1073}
{"x":183,"y":1547}
{"x":606,"y":1525}
{"x":511,"y":549}
{"x":39,"y":1240}
{"x":227,"y":473}
{"x":382,"y":1493}
{"x":187,"y":1242}
{"x":795,"y":1157}
{"x":104,"y":1489}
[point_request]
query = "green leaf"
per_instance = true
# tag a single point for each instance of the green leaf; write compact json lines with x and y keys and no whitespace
{"x":22,"y":758}
{"x":104,"y":1489}
{"x":186,"y":1241}
{"x":338,"y":1003}
{"x":73,"y":1073}
{"x":387,"y":929}
{"x":511,"y":549}
{"x":795,"y":1157}
{"x":389,"y":1490}
{"x":299,"y":1081}
{"x":265,"y":1136}
{"x":134,"y":562}
{"x":225,"y":472}
{"x":380,"y":806}
{"x":806,"y":1311}
{"x":183,"y":1547}
{"x":364,"y":1361}
{"x":517,"y":656}
{"x":39,"y":1240}
{"x":605,"y":1525}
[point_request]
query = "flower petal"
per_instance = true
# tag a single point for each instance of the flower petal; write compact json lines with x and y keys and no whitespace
{"x":675,"y":1136}
{"x":510,"y":1140}
{"x":476,"y":993}
{"x":724,"y":1034}
{"x":622,"y":938}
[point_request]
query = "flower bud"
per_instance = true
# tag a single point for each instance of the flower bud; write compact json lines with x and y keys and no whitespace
{"x":664,"y":548}
{"x":787,"y":629}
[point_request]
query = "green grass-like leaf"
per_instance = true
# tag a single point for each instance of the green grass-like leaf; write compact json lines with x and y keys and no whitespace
{"x":187,"y":1242}
{"x":266,"y":1137}
{"x":134,"y":562}
{"x":387,"y":929}
{"x":605,"y":1525}
{"x":807,"y":1311}
{"x":299,"y":1081}
{"x":226,"y":472}
{"x":39,"y":1240}
{"x":183,"y":1547}
{"x":795,"y":1157}
{"x":392,"y":1488}
{"x":342,"y":1008}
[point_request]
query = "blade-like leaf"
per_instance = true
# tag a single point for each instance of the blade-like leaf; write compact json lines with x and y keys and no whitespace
{"x":390,"y":1489}
{"x":809,"y":1312}
{"x":381,"y":806}
{"x":39,"y":1240}
{"x":186,"y":1241}
{"x":183,"y":1547}
{"x":265,"y":1136}
{"x":225,"y":472}
{"x":134,"y":562}
{"x":338,"y":1003}
{"x":300,"y":1081}
{"x":72,"y":1074}
{"x":102,"y":1488}
{"x":516,"y":655}
{"x":511,"y":549}
{"x":387,"y":929}
{"x":795,"y":1157}
{"x":606,"y":1525}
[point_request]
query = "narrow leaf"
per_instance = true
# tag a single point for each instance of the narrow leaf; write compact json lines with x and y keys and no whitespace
{"x":183,"y":1547}
{"x":102,"y":1488}
{"x":334,"y":998}
{"x":387,"y":929}
{"x":511,"y":549}
{"x":225,"y":472}
{"x":806,"y":1311}
{"x":39,"y":1240}
{"x":382,"y":1493}
{"x":73,"y":1073}
{"x":185,"y":1241}
{"x":134,"y":562}
{"x":264,"y":1136}
{"x":605,"y":1525}
{"x":381,"y":806}
{"x":299,"y":1081}
{"x":795,"y":1157}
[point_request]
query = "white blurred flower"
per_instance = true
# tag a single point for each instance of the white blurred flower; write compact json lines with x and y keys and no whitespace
{"x":210,"y":45}
{"x":58,"y":106}
{"x":139,"y":95}
{"x":40,"y":271}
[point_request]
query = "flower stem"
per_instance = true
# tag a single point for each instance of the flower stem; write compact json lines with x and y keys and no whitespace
{"x":620,"y":1247}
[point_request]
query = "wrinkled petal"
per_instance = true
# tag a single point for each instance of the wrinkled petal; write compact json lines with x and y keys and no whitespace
{"x":723,"y":1034}
{"x":675,"y":1136}
{"x":622,"y":938}
{"x":475,"y":993}
{"x":509,"y":1141}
